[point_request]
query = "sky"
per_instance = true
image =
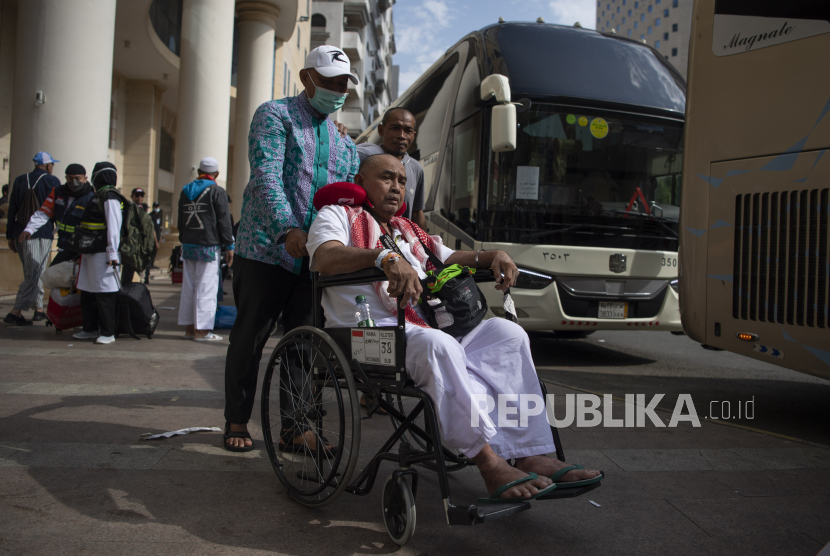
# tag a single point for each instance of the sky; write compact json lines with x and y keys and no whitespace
{"x":425,"y":29}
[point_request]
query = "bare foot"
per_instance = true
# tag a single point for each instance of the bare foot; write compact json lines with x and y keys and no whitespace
{"x":545,"y":467}
{"x":497,"y":472}
{"x":239,"y":442}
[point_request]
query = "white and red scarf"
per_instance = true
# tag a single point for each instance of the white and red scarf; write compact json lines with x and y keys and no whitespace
{"x":366,"y":235}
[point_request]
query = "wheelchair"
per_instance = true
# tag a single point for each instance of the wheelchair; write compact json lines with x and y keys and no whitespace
{"x":313,"y":381}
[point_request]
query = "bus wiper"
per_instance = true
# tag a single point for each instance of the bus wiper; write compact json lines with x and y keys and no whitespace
{"x":524,"y":237}
{"x":656,"y":219}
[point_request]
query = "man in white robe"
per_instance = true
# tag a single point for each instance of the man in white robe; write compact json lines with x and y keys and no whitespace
{"x":493,"y":359}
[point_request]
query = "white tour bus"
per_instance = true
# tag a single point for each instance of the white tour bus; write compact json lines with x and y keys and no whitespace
{"x":578,"y":178}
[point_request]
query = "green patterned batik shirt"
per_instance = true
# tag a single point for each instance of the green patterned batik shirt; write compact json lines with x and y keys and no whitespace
{"x":292,"y":153}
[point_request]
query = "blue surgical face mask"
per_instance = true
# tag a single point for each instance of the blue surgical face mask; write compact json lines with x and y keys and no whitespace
{"x":326,"y":101}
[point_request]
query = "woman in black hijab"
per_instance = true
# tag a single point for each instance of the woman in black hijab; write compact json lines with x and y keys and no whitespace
{"x":97,"y":278}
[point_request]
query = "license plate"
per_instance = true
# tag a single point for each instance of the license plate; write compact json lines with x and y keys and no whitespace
{"x":613,"y":310}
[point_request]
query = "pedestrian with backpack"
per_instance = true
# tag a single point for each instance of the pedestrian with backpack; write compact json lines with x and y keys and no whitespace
{"x":204,"y":230}
{"x":98,"y":239}
{"x":28,"y":193}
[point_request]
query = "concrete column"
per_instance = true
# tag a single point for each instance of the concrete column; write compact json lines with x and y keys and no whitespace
{"x":257,"y":22}
{"x":8,"y":34}
{"x":204,"y":89}
{"x":64,"y":49}
{"x":141,"y":137}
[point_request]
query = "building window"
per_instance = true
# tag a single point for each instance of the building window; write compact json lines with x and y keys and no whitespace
{"x":603,"y":13}
{"x":318,"y":20}
{"x":643,"y":38}
{"x":167,"y":147}
{"x":648,"y":31}
{"x":656,"y":44}
{"x":285,"y":80}
{"x":597,"y":21}
{"x":636,"y":24}
{"x":666,"y":12}
{"x":623,"y":21}
{"x":674,"y":27}
{"x":674,"y":52}
{"x":665,"y":36}
{"x":612,"y":16}
{"x":599,"y":4}
{"x":629,"y":32}
{"x":642,"y":17}
{"x":657,"y":22}
{"x":667,"y":56}
{"x":166,"y":18}
{"x":674,"y":4}
{"x":649,"y":9}
{"x":629,"y":13}
{"x":618,"y":27}
{"x":636,"y":5}
{"x":623,"y":2}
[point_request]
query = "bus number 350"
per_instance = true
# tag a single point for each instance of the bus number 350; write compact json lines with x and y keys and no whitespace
{"x":669,"y":261}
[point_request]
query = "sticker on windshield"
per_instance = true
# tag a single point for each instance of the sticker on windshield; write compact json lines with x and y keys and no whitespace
{"x":527,"y":183}
{"x":583,"y":121}
{"x":571,"y":119}
{"x":599,"y":128}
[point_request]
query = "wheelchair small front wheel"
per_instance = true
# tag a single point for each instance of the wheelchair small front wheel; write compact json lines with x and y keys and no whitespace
{"x":398,"y":507}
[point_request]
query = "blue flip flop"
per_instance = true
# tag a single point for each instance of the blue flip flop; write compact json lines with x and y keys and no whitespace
{"x":495,"y":498}
{"x":573,"y":484}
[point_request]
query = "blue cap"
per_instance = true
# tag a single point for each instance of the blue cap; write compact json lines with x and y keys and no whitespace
{"x":44,"y":157}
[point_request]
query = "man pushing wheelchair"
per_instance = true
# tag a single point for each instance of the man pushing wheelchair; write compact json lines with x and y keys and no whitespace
{"x":492,"y":358}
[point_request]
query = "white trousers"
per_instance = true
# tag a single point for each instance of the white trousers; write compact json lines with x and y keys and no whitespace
{"x":200,"y":283}
{"x":493,"y":359}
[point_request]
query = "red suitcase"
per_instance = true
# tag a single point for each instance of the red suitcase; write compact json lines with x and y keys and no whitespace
{"x":64,"y":311}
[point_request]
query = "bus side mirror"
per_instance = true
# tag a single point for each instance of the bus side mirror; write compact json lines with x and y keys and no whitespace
{"x":503,"y":128}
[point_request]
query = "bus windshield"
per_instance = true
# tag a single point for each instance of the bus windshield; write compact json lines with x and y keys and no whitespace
{"x":590,"y":177}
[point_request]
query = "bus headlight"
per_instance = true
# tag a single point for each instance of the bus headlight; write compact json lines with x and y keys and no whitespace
{"x":532,"y":280}
{"x":675,"y":285}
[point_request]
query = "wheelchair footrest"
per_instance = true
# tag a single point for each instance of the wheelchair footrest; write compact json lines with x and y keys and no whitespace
{"x":471,"y":515}
{"x":572,"y":492}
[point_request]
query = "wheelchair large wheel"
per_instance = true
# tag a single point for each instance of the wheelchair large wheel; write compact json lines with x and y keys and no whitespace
{"x":311,"y":416}
{"x":398,"y":504}
{"x":405,"y":405}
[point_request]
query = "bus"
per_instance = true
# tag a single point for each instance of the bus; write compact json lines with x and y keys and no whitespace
{"x":562,"y":146}
{"x":754,"y":216}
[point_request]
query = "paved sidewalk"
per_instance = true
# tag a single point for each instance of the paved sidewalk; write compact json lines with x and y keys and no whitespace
{"x":77,"y":479}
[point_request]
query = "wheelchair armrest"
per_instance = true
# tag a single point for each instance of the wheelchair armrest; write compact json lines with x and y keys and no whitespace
{"x":484,"y":275}
{"x":371,"y":275}
{"x":365,"y":276}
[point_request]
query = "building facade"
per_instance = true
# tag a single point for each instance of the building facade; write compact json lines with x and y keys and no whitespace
{"x":663,"y":24}
{"x":150,"y":85}
{"x":365,"y":30}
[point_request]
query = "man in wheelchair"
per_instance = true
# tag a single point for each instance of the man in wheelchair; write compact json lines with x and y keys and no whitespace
{"x":493,"y":359}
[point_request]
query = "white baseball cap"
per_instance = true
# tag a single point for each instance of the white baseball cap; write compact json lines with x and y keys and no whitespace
{"x":330,"y":61}
{"x":208,"y":165}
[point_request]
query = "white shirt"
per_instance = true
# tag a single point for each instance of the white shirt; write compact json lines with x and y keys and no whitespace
{"x":95,"y":275}
{"x":332,"y":224}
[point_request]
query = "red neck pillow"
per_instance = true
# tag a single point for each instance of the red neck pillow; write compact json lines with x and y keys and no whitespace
{"x":345,"y":193}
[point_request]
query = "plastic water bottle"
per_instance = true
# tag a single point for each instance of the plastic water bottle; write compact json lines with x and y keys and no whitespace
{"x":362,"y":314}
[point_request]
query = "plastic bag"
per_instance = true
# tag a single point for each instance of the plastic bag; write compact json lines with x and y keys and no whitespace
{"x":225,"y":317}
{"x":58,"y":276}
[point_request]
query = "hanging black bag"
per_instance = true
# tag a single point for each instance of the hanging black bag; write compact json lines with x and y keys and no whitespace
{"x":451,"y":300}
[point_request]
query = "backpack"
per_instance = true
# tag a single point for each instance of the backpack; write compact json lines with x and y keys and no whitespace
{"x":137,"y":233}
{"x":30,"y":203}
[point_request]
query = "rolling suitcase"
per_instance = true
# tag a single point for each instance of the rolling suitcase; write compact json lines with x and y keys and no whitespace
{"x":135,"y":311}
{"x":64,"y":309}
